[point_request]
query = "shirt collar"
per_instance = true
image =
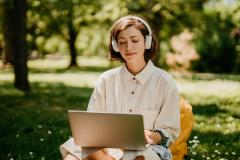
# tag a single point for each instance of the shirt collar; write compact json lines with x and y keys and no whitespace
{"x":141,"y":76}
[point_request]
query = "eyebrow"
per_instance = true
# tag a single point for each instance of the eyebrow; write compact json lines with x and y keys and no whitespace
{"x":130,"y":37}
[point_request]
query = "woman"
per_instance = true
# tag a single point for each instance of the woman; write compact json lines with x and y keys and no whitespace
{"x":136,"y":87}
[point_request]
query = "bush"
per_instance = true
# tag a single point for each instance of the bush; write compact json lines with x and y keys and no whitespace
{"x":215,"y":46}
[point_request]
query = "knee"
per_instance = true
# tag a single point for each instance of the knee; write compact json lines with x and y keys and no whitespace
{"x":99,"y":155}
{"x":139,"y":158}
{"x":70,"y":157}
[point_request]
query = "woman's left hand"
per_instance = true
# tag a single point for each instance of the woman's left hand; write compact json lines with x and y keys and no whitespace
{"x":152,"y":137}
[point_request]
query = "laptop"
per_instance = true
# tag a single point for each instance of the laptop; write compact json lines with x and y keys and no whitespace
{"x":107,"y":130}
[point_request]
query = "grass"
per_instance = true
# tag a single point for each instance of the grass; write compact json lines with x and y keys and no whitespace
{"x":216,"y":103}
{"x":33,"y":126}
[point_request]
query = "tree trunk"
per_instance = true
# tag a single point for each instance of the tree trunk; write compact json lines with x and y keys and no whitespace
{"x":157,"y":23}
{"x":157,"y":59}
{"x":71,"y":41}
{"x":15,"y":40}
{"x":8,"y":24}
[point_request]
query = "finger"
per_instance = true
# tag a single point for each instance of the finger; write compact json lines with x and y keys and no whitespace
{"x":148,"y":140}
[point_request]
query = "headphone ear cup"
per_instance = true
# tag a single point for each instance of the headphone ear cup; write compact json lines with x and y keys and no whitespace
{"x":148,"y":42}
{"x":114,"y":45}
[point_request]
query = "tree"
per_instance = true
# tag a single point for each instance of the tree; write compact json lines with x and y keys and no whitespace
{"x":14,"y":27}
{"x":168,"y":18}
{"x":213,"y":40}
{"x":64,"y":18}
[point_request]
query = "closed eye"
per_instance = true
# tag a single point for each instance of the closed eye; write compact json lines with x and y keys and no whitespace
{"x":135,"y":41}
{"x":122,"y":42}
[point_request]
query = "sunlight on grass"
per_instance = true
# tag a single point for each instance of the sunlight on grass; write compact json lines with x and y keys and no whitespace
{"x":64,"y":62}
{"x":81,"y":79}
{"x":205,"y":88}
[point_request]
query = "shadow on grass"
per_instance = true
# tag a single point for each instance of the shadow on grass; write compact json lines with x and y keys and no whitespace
{"x":33,"y":126}
{"x":69,"y":70}
{"x":211,"y":142}
{"x":208,"y":110}
{"x":212,"y":76}
{"x":45,"y":95}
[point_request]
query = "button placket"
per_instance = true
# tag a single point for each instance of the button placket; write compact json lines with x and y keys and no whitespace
{"x":131,"y":97}
{"x":135,"y":86}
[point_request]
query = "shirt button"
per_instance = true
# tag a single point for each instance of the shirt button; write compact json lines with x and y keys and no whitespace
{"x":130,"y":110}
{"x":132,"y":92}
{"x":134,"y":78}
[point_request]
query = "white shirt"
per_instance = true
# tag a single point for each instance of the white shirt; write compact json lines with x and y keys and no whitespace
{"x":152,"y":93}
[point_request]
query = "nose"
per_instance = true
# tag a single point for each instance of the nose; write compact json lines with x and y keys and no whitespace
{"x":130,"y":46}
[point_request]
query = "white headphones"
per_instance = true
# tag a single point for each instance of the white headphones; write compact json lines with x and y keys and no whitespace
{"x":148,"y":38}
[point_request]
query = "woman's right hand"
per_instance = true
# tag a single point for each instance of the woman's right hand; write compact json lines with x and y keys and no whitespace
{"x":152,"y":137}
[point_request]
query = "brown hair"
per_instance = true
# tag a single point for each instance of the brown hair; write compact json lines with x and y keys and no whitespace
{"x":122,"y":24}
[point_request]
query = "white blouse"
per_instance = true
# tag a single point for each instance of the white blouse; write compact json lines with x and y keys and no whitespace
{"x":152,"y":93}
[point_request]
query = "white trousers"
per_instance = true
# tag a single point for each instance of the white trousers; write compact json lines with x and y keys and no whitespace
{"x":70,"y":147}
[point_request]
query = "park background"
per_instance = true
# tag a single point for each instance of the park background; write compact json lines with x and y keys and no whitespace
{"x":53,"y":51}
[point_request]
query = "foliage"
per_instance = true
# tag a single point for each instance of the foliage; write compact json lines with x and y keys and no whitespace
{"x":49,"y":25}
{"x":33,"y":126}
{"x":168,"y":18}
{"x":214,"y":43}
{"x":52,"y":18}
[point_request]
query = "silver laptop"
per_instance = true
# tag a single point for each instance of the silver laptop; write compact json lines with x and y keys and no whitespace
{"x":112,"y":130}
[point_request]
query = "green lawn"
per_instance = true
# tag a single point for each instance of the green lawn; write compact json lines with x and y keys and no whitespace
{"x":33,"y":126}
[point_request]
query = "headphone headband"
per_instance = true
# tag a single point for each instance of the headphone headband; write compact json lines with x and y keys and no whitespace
{"x":137,"y":18}
{"x":148,"y":37}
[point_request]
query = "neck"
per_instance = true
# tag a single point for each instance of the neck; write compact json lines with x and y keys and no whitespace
{"x":134,"y":69}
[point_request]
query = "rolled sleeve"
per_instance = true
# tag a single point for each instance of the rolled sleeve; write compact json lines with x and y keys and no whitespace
{"x":169,"y":116}
{"x":98,"y":100}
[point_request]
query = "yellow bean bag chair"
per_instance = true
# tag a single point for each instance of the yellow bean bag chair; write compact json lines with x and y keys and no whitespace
{"x":179,"y":147}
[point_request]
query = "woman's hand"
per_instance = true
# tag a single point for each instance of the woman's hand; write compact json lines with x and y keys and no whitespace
{"x":152,"y":137}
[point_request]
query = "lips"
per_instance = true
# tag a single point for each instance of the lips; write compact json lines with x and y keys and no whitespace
{"x":130,"y":54}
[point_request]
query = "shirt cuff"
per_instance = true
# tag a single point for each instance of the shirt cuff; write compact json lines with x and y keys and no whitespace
{"x":166,"y":138}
